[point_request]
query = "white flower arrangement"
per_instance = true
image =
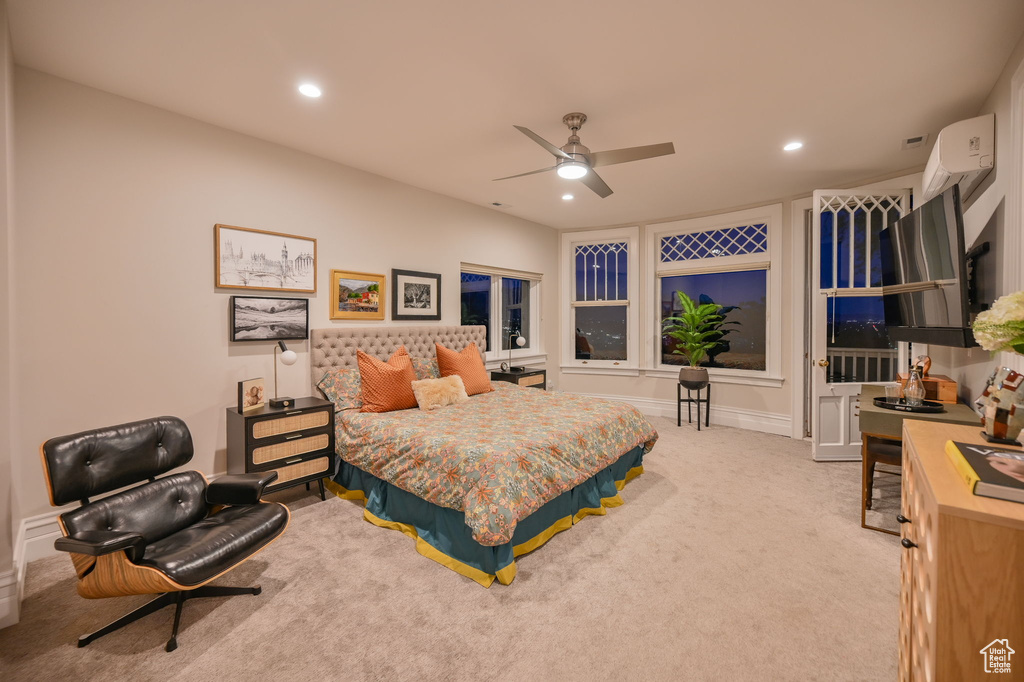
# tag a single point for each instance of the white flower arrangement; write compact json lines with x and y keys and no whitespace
{"x":1001,"y":327}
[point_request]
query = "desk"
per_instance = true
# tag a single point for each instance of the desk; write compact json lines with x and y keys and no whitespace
{"x":878,"y":422}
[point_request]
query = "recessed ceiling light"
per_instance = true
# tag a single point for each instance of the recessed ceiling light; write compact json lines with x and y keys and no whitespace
{"x":567,"y":197}
{"x":309,"y":90}
{"x":793,"y":146}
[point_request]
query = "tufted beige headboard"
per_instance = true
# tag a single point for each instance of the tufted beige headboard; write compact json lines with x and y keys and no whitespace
{"x":336,"y":347}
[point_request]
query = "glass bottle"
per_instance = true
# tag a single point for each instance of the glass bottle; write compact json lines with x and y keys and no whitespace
{"x":913,"y":392}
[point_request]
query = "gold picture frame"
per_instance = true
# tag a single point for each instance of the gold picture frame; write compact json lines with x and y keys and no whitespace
{"x":245,"y":258}
{"x":357,"y":295}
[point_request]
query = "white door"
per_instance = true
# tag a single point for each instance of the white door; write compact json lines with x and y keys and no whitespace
{"x":849,"y":342}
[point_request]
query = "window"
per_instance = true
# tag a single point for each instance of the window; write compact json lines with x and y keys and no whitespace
{"x":509,"y":297}
{"x":600,"y":277}
{"x":727,"y":260}
{"x":743,"y":296}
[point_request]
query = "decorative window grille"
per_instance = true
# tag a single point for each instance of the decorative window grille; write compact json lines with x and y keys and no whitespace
{"x":601,"y":272}
{"x":727,"y":241}
{"x":851,"y":226}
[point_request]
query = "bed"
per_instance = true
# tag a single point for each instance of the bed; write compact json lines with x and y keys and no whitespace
{"x":482,"y":482}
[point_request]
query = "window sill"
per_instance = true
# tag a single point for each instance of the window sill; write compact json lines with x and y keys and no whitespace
{"x":723,"y":377}
{"x":599,"y":369}
{"x":517,"y":360}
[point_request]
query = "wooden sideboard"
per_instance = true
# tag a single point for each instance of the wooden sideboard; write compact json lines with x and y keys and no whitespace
{"x":962,"y":570}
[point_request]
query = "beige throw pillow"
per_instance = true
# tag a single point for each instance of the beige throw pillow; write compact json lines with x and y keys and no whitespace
{"x":434,"y":393}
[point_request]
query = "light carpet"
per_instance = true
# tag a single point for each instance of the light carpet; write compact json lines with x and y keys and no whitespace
{"x":735,"y":557}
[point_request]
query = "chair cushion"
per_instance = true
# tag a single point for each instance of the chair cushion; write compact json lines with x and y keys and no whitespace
{"x":217,"y":543}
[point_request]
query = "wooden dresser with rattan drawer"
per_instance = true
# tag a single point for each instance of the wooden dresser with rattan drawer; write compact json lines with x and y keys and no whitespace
{"x":297,"y":442}
{"x":961,"y":588}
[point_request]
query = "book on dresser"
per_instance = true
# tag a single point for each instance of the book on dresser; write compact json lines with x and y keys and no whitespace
{"x":989,"y":471}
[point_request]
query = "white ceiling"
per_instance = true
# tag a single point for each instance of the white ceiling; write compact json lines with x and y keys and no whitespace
{"x":427,"y":92}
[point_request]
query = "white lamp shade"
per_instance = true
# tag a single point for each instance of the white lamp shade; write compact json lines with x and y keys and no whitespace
{"x":520,"y":341}
{"x":289,"y":357}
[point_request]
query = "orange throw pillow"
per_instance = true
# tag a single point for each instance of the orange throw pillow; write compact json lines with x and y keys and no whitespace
{"x":387,"y":386}
{"x":468,"y":364}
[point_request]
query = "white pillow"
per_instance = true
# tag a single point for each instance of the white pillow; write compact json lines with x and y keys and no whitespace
{"x":434,"y":393}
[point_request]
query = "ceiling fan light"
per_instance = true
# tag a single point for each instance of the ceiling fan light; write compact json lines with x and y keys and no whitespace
{"x":572,"y":170}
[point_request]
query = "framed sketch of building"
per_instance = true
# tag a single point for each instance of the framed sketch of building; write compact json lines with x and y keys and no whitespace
{"x":259,"y":318}
{"x":416,"y":295}
{"x":257,"y":259}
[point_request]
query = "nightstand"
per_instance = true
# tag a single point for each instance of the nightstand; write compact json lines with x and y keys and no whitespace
{"x":297,"y":442}
{"x":538,"y":378}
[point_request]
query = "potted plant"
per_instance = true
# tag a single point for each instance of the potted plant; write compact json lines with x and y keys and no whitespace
{"x":698,"y":330}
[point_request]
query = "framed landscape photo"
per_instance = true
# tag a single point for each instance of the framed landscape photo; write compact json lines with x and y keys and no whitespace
{"x":250,"y":394}
{"x":357,"y":295}
{"x":257,"y":259}
{"x":262,"y":318}
{"x":415,"y":295}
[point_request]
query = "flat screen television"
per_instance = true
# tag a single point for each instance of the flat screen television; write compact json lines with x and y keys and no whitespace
{"x":924,"y":274}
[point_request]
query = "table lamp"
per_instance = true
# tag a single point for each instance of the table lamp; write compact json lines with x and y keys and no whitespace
{"x":520,"y":341}
{"x":288,"y":357}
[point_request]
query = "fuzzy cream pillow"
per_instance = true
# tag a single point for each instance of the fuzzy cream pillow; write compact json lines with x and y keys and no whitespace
{"x":434,"y":393}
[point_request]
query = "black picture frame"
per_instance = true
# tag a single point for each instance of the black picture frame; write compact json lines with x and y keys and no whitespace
{"x":415,"y":295}
{"x":253,"y":319}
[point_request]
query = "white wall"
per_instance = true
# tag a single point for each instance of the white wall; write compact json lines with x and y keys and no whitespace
{"x":115,"y":316}
{"x":988,"y":219}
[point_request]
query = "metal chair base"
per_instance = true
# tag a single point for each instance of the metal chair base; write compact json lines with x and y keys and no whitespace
{"x":166,"y":599}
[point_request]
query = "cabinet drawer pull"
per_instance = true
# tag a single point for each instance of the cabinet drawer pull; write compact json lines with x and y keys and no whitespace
{"x":298,"y":435}
{"x":288,"y":414}
{"x":902,"y":519}
{"x":293,"y":461}
{"x":907,"y":543}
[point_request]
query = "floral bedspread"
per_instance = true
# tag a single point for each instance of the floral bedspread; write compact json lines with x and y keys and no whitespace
{"x":497,"y":457}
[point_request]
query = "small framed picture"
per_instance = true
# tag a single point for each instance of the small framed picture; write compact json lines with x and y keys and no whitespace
{"x":415,"y":295}
{"x":250,"y":394}
{"x":357,"y":295}
{"x":262,"y":318}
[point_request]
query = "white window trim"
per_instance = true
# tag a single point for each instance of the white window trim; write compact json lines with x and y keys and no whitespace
{"x":569,"y":363}
{"x":533,"y":352}
{"x":771,"y":216}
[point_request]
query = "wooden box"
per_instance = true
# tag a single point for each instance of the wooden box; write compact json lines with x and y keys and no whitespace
{"x":937,"y":387}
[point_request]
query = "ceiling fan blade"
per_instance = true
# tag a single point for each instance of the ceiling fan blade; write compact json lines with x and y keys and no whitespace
{"x":539,"y":170}
{"x":594,"y":182}
{"x":542,"y":142}
{"x":628,"y":154}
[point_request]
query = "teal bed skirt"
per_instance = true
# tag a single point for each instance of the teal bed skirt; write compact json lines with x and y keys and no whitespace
{"x":441,"y":534}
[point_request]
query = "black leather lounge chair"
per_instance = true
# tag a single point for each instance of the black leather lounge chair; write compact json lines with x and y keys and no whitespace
{"x":169,"y":536}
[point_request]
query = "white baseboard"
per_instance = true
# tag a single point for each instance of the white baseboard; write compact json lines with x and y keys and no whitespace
{"x":10,"y":598}
{"x":766,"y":422}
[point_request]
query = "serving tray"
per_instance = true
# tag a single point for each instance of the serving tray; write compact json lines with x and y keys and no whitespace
{"x":925,"y":406}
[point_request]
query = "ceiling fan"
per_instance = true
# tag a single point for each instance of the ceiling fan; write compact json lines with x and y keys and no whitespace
{"x":576,"y":162}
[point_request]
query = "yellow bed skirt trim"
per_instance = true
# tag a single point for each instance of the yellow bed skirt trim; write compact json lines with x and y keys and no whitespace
{"x":506,"y":575}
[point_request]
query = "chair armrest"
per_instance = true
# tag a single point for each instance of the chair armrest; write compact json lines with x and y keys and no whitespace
{"x":100,"y":542}
{"x":239,"y":488}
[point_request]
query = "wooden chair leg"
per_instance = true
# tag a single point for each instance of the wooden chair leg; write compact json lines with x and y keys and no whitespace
{"x":869,"y":482}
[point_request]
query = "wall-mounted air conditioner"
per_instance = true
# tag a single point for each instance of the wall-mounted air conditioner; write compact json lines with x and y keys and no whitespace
{"x":963,"y":155}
